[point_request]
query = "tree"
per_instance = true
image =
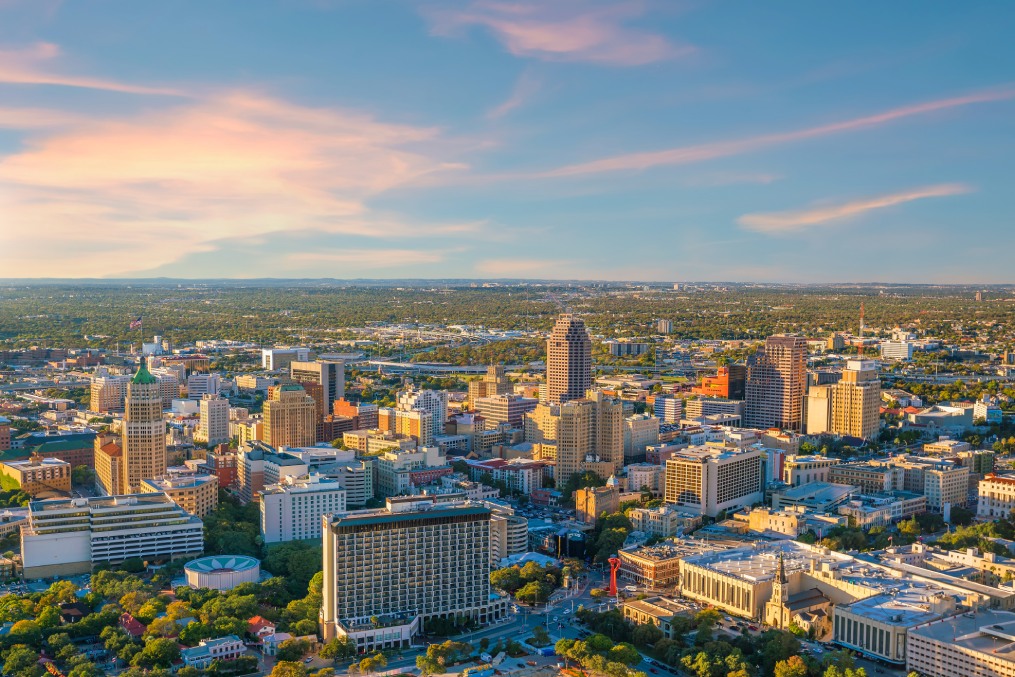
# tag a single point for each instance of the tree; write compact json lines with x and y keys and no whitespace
{"x":540,"y":636}
{"x":373,"y":663}
{"x":645,"y":635}
{"x":21,"y":661}
{"x":535,"y":592}
{"x":427,"y":666}
{"x":292,"y":649}
{"x":339,"y":647}
{"x":288,"y":669}
{"x":157,"y":653}
{"x":793,"y":666}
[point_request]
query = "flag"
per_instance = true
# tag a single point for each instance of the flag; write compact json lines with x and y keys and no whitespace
{"x":136,"y":324}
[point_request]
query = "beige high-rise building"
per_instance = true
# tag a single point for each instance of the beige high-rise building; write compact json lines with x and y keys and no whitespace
{"x":494,"y":382}
{"x":581,"y":435}
{"x":568,"y":360}
{"x":144,"y":431}
{"x":108,"y":392}
{"x":290,"y":417}
{"x":423,"y":557}
{"x":213,"y":424}
{"x":856,"y":400}
{"x":777,"y":384}
{"x":819,"y":409}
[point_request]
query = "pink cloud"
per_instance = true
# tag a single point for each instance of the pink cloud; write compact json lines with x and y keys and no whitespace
{"x":718,"y":149}
{"x":781,"y":222}
{"x":564,"y":30}
{"x":105,"y":196}
{"x":33,"y":66}
{"x":525,"y":88}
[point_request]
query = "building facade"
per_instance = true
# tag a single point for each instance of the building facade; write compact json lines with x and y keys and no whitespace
{"x":144,"y":432}
{"x":292,"y":510}
{"x":708,"y":480}
{"x":568,"y":360}
{"x":290,"y":417}
{"x":776,"y":384}
{"x":386,"y":572}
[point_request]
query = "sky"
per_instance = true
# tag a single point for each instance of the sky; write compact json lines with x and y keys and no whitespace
{"x":566,"y":139}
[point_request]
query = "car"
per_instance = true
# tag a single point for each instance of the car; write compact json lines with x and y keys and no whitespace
{"x":653,"y":671}
{"x":554,"y":618}
{"x":308,"y":659}
{"x":752,"y":628}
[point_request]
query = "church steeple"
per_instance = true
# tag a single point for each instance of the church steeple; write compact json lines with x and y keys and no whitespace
{"x":782,"y":570}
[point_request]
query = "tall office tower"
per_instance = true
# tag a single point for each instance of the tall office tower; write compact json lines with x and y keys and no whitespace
{"x":433,"y":401}
{"x":108,"y":392}
{"x":776,"y":384}
{"x":607,"y":430}
{"x":213,"y":424}
{"x":856,"y":400}
{"x":144,"y":432}
{"x":664,"y":326}
{"x":365,"y":415}
{"x":327,"y":374}
{"x":290,"y":417}
{"x":818,"y":409}
{"x":169,"y":384}
{"x":493,"y":383}
{"x":568,"y":360}
{"x":422,"y":557}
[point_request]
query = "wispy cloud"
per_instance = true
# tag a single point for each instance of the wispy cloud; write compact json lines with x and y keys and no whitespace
{"x":133,"y":193}
{"x":782,"y":222}
{"x":563,"y":30}
{"x":719,"y":149}
{"x":33,"y":66}
{"x":525,"y":88}
{"x":368,"y":258}
{"x":730,"y":178}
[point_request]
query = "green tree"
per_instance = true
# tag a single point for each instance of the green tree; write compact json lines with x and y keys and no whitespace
{"x":793,"y":666}
{"x":157,"y":653}
{"x":21,"y":661}
{"x":292,"y":649}
{"x":540,"y":636}
{"x":339,"y":647}
{"x":288,"y":669}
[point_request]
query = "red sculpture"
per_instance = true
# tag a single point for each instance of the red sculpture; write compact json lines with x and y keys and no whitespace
{"x":614,"y":567}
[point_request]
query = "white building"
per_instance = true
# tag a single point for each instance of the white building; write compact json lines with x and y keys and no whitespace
{"x":280,"y":358}
{"x":641,"y":475}
{"x":67,"y":536}
{"x":971,"y":644}
{"x":213,"y":424}
{"x":199,"y":385}
{"x":987,"y":410}
{"x":292,"y":509}
{"x":897,"y":350}
{"x":799,"y":470}
{"x":669,"y":409}
{"x":433,"y":401}
{"x":225,"y":648}
{"x":997,"y":496}
{"x":664,"y":521}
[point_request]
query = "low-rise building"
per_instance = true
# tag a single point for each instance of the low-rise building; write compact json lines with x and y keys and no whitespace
{"x":592,"y":502}
{"x":962,"y":645}
{"x":521,"y":475}
{"x":799,"y":470}
{"x":658,"y":611}
{"x":196,"y":493}
{"x":69,"y":536}
{"x":880,"y":510}
{"x":37,"y":475}
{"x":816,"y":496}
{"x":996,"y":496}
{"x":664,"y":521}
{"x":226,"y":648}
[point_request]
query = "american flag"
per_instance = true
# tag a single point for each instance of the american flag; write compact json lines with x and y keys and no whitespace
{"x":136,"y":324}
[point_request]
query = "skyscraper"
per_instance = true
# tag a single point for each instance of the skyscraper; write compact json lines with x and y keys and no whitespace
{"x":329,"y":375}
{"x":213,"y":424}
{"x":421,"y":558}
{"x":144,"y":431}
{"x":777,"y":384}
{"x":856,"y":400}
{"x":290,"y":417}
{"x":568,"y":360}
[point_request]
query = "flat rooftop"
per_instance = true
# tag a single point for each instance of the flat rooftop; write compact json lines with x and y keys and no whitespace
{"x":989,"y":632}
{"x":910,"y":605}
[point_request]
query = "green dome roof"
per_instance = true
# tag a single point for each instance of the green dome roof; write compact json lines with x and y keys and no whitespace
{"x":143,"y":375}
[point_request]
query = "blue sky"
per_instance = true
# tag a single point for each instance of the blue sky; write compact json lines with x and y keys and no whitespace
{"x":595,"y":139}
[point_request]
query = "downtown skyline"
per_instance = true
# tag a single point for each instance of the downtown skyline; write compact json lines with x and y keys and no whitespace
{"x":572,"y":140}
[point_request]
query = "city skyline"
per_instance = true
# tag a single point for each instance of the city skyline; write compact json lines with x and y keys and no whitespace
{"x":597,"y":140}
